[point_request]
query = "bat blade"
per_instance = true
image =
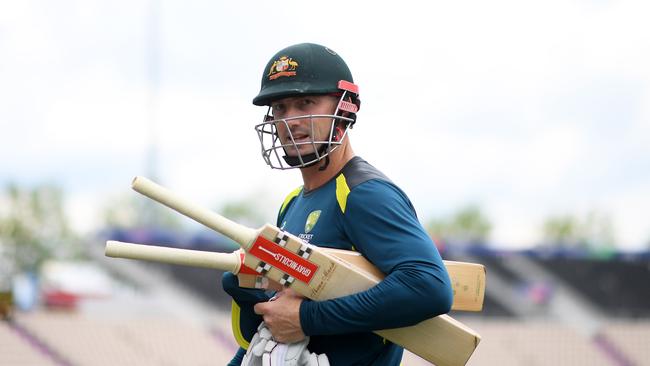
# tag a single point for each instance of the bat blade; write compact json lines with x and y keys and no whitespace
{"x":467,"y":278}
{"x":319,"y":276}
{"x":468,"y":283}
{"x":442,"y":340}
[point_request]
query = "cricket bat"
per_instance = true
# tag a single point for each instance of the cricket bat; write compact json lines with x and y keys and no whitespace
{"x":311,"y":272}
{"x":468,"y":279}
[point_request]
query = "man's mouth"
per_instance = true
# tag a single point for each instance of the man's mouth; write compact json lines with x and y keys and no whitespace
{"x":299,"y":137}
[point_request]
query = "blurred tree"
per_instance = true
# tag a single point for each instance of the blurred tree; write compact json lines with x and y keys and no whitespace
{"x":33,"y":226}
{"x":468,"y":224}
{"x":562,"y":231}
{"x":131,"y":211}
{"x":599,"y":231}
{"x":7,"y":271}
{"x":250,"y":211}
{"x":595,"y":231}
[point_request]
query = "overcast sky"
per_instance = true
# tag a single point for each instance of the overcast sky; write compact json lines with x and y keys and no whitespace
{"x":529,"y":109}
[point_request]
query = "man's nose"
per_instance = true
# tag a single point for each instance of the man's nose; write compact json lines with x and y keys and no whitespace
{"x":295,"y":120}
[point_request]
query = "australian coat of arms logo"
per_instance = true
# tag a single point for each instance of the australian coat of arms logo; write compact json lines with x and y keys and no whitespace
{"x":284,"y":66}
{"x":311,"y":220}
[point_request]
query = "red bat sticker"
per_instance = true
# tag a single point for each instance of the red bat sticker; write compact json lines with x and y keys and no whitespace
{"x":283,"y":259}
{"x":242,"y":268}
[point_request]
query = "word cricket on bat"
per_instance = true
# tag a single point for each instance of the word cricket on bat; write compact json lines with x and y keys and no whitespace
{"x":468,"y":279}
{"x":315,"y":274}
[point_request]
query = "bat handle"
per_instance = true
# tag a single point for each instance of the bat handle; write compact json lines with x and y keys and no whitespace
{"x":195,"y":258}
{"x":241,"y":234}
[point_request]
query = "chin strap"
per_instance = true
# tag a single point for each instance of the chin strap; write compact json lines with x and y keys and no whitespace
{"x":314,"y":157}
{"x":325,"y":164}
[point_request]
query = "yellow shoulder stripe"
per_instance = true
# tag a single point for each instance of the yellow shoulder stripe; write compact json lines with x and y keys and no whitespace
{"x":291,"y":196}
{"x":342,"y":191}
{"x":236,"y":330}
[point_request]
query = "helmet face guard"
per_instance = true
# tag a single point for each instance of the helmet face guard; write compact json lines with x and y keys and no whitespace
{"x":287,"y":154}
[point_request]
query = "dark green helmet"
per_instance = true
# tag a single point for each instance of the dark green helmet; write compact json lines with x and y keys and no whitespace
{"x":304,"y":68}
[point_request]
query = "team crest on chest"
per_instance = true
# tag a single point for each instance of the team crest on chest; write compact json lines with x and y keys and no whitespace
{"x":312,"y":219}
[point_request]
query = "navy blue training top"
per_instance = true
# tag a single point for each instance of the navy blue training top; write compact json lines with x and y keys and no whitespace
{"x":359,"y":209}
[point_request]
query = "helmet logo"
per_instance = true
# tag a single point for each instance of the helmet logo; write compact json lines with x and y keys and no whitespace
{"x":284,"y":66}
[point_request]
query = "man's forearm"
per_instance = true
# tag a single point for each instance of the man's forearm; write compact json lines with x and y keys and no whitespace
{"x":405,"y":297}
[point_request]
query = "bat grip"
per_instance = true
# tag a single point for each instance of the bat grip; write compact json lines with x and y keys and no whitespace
{"x":241,"y":234}
{"x":185,"y":257}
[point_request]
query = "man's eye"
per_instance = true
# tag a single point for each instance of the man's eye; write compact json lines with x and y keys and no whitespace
{"x":307,"y":101}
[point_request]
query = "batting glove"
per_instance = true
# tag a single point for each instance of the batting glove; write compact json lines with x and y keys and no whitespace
{"x":257,"y":346}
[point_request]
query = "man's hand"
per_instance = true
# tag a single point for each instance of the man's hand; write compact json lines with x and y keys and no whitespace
{"x":282,"y":316}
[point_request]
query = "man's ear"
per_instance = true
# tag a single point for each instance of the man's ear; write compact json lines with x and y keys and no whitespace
{"x":338,"y":133}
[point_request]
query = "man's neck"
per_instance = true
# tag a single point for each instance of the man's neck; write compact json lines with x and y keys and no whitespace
{"x":313,"y":177}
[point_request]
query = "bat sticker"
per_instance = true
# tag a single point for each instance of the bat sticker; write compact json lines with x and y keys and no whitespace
{"x":290,"y":263}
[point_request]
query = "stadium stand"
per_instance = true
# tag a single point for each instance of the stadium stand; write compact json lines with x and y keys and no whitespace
{"x":632,"y":338}
{"x":83,"y":340}
{"x":17,"y":350}
{"x":533,"y":343}
{"x":204,"y":282}
{"x":617,"y":286}
{"x":513,"y":343}
{"x":146,"y":342}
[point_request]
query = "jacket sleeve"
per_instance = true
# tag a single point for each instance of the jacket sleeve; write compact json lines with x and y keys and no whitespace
{"x":238,"y":358}
{"x":381,"y":223}
{"x":244,"y":319}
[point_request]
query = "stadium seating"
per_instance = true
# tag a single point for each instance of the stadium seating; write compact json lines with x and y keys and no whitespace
{"x":510,"y":342}
{"x":632,"y":338}
{"x":90,"y":341}
{"x":617,"y":286}
{"x":82,"y":340}
{"x":16,"y":350}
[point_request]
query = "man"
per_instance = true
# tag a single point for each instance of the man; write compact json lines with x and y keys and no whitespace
{"x":344,"y":203}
